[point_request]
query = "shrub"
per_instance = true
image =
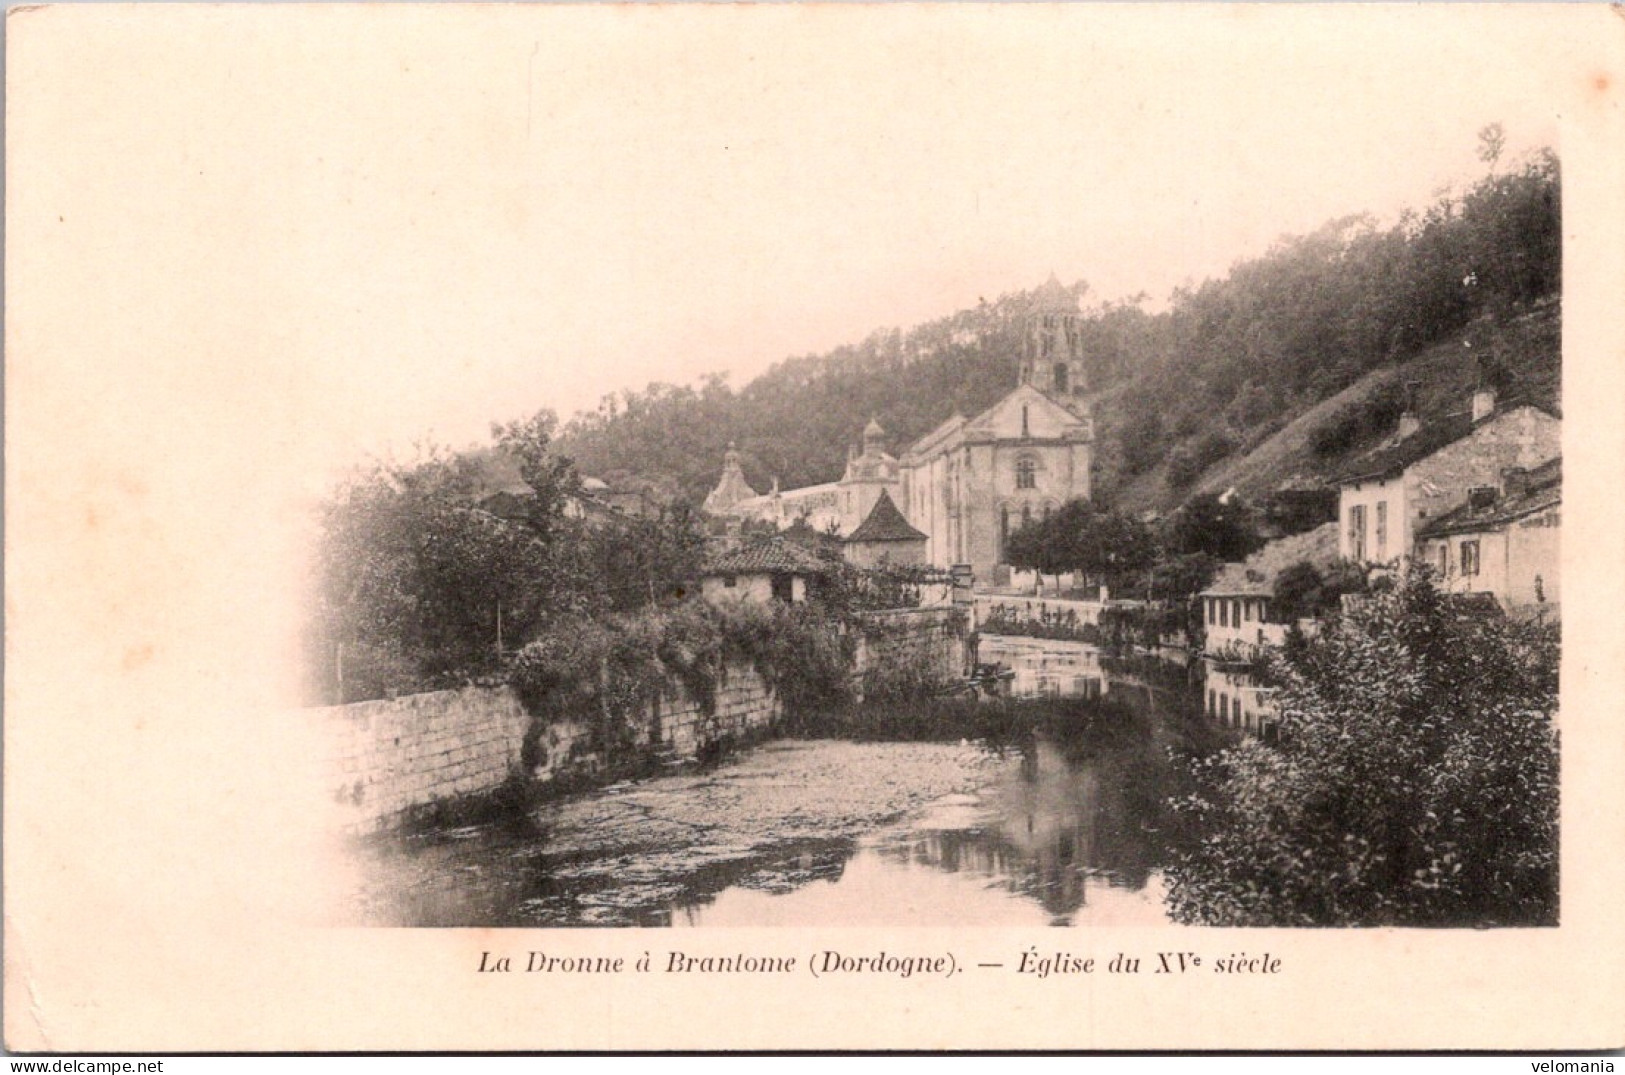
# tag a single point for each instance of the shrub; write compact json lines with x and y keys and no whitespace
{"x":1414,"y":781}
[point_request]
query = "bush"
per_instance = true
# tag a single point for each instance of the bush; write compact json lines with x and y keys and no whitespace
{"x":1414,"y":781}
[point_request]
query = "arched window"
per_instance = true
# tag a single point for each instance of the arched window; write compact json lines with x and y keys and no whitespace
{"x":1026,"y":474}
{"x":1061,"y":377}
{"x":1026,"y":515}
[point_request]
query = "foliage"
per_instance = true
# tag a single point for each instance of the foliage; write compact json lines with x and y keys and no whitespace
{"x":913,"y":677}
{"x":551,"y":476}
{"x":1360,"y":421}
{"x":1083,"y":537}
{"x":882,"y":587}
{"x":1189,"y":460}
{"x":414,"y":584}
{"x":1228,"y":356}
{"x":1414,"y":781}
{"x":1222,"y":527}
{"x":640,"y":561}
{"x":1303,"y":590}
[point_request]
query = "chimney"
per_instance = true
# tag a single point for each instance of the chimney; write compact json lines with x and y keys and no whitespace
{"x":1481,"y":498}
{"x":1483,"y":404}
{"x":1515,"y":481}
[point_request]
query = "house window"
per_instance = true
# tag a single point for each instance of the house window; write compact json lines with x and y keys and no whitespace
{"x":1224,"y":614}
{"x":1212,"y":612}
{"x":1357,"y":532}
{"x":1212,"y":702}
{"x":730,"y":581}
{"x":1382,"y":530}
{"x":1026,"y":474}
{"x":1444,"y":558}
{"x":1469,"y":558}
{"x":1235,"y":613}
{"x":1060,"y":377}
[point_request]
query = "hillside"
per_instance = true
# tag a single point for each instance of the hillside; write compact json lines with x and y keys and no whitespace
{"x":1315,"y":443}
{"x":1270,"y":375}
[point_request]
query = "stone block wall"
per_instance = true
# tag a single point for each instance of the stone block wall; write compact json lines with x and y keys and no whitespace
{"x":393,"y":761}
{"x":394,"y":758}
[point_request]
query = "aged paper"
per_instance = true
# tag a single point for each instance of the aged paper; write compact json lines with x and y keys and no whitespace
{"x":230,"y":228}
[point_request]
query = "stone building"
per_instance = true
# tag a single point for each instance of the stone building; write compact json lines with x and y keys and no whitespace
{"x":970,"y":483}
{"x":1503,"y":540}
{"x":1388,"y":494}
{"x":770,"y":569}
{"x":885,"y":537}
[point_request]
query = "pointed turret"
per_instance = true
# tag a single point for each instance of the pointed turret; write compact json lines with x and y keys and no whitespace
{"x":731,"y":487}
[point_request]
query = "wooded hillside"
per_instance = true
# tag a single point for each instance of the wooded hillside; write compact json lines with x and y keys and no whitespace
{"x":1298,"y":357}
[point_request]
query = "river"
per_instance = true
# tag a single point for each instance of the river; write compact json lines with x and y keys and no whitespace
{"x":1059,"y":829}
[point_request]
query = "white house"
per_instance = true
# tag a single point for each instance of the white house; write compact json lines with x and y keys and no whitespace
{"x":1386,"y":495}
{"x":1502,"y":540}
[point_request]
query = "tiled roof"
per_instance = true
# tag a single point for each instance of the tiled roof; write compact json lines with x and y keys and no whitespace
{"x":1393,"y":457}
{"x":1238,"y":580}
{"x":1545,"y":490}
{"x":768,"y":555}
{"x":885,"y":523}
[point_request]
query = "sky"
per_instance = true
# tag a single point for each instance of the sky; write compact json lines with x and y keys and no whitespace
{"x":404,"y":222}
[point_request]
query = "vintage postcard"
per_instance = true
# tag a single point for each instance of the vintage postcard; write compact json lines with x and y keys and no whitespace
{"x":785,"y":527}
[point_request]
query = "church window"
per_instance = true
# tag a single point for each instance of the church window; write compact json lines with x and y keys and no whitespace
{"x":1026,"y":474}
{"x":1024,"y":431}
{"x":1026,"y":515}
{"x":1060,"y":377}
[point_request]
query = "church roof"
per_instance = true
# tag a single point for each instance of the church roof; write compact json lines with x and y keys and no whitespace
{"x":873,"y":429}
{"x":885,"y":523}
{"x":1045,"y":417}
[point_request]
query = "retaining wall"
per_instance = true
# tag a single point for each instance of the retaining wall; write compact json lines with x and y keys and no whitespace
{"x":395,"y":761}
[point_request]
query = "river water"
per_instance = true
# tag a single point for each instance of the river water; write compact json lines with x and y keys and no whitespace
{"x":1058,"y":829}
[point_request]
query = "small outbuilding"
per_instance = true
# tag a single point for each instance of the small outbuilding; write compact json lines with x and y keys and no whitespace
{"x":769,"y":569}
{"x":885,"y":537}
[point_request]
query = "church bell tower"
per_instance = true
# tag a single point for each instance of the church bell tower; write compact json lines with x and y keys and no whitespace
{"x":1052,"y":358}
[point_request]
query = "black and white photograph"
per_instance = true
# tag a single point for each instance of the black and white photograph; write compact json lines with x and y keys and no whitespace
{"x":575,"y":476}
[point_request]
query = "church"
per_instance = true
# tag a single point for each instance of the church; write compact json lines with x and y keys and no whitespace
{"x":971,"y":482}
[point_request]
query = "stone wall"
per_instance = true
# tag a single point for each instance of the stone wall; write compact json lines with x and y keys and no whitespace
{"x":398,"y":761}
{"x":391,"y":759}
{"x":395,"y":761}
{"x":936,"y":637}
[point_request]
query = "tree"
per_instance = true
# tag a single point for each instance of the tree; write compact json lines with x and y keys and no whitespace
{"x":1492,"y":139}
{"x":416,"y":587}
{"x":1081,"y":537}
{"x":551,"y":477}
{"x":1413,"y":781}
